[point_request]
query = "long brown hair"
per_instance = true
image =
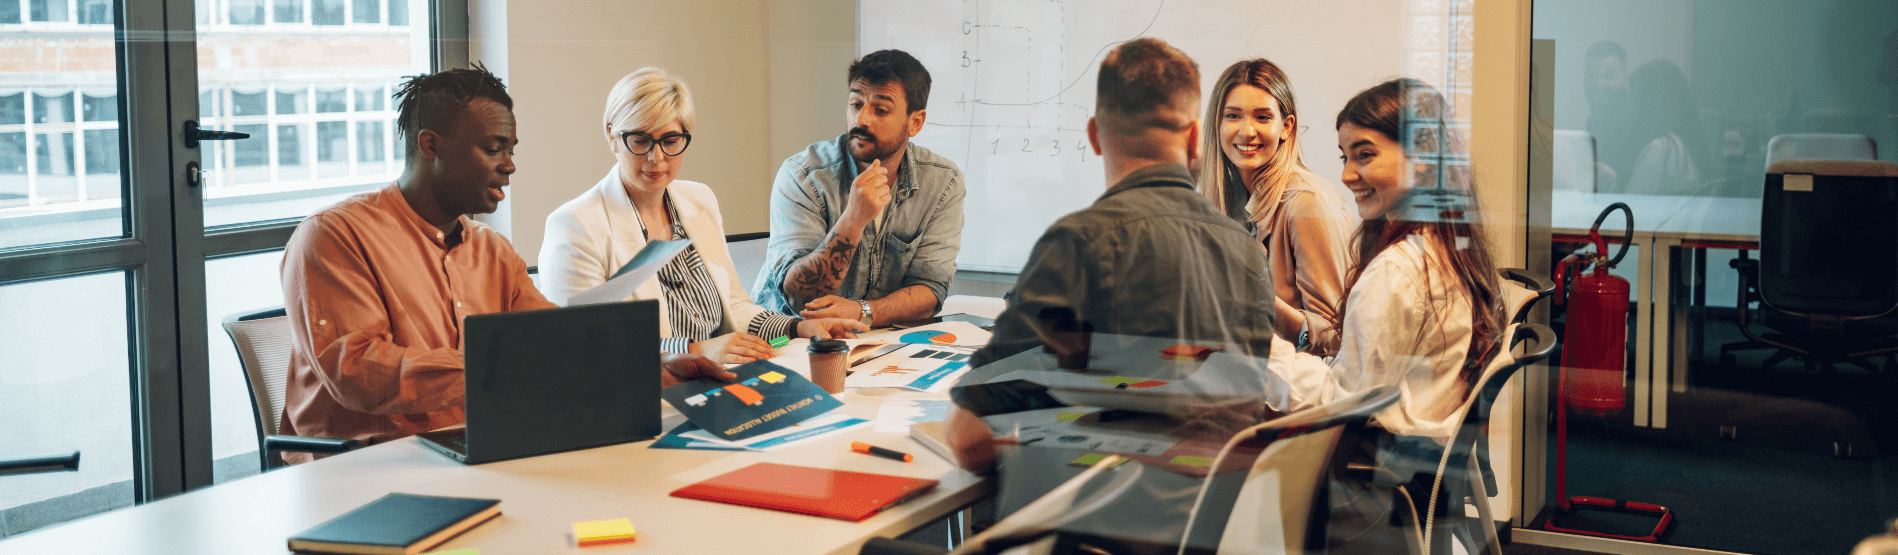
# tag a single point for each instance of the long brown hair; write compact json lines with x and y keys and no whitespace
{"x":1397,"y":108}
{"x":1217,"y":174}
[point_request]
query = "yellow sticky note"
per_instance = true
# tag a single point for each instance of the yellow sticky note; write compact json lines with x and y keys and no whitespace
{"x":1189,"y":460}
{"x":772,"y":376}
{"x":462,"y":551}
{"x":600,"y":532}
{"x":1070,"y":416}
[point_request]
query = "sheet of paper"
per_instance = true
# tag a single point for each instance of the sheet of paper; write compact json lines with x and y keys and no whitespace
{"x":808,"y":430}
{"x":917,"y":367}
{"x":642,"y":268}
{"x":940,"y":333}
{"x":896,"y":415}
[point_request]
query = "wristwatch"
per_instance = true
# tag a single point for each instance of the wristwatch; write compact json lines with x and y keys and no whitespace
{"x":866,"y":319}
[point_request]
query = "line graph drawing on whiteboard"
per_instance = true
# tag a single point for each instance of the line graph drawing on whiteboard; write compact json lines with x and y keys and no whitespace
{"x":1013,"y":88}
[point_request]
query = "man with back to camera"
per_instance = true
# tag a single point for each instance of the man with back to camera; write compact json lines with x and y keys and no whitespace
{"x":866,"y":226}
{"x":376,"y":286}
{"x":1151,"y":257}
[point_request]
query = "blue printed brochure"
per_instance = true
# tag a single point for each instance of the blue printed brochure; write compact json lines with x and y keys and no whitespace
{"x":766,"y":398}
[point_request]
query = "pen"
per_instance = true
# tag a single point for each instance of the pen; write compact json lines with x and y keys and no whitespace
{"x":869,"y":449}
{"x":780,"y":341}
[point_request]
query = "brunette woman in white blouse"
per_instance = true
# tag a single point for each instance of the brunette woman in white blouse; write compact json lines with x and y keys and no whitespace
{"x":703,"y":307}
{"x":1422,"y":311}
{"x":1255,"y":172}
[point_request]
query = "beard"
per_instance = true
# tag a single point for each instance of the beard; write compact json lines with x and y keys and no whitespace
{"x":875,"y":150}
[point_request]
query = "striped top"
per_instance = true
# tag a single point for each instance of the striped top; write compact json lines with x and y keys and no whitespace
{"x":693,"y":305}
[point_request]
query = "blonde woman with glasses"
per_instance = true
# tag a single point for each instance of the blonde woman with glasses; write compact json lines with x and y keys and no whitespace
{"x":1255,"y":173}
{"x":703,"y":307}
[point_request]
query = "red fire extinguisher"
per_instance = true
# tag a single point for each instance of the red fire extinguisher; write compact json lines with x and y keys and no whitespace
{"x":1595,"y":348}
{"x":1594,"y":357}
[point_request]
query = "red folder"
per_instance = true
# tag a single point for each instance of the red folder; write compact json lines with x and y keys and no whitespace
{"x":840,"y":494}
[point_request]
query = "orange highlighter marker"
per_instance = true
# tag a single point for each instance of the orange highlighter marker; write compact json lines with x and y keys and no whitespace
{"x":869,"y":449}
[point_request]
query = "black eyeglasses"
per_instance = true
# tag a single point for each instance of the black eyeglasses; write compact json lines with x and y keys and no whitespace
{"x":640,"y":143}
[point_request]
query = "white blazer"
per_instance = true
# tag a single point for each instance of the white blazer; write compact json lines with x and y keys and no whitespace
{"x":592,"y":236}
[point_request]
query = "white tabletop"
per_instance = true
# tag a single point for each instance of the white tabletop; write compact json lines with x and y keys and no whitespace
{"x":1715,"y":218}
{"x":540,"y":498}
{"x":1574,"y":211}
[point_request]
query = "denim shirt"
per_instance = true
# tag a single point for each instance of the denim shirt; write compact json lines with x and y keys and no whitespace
{"x":914,"y":242}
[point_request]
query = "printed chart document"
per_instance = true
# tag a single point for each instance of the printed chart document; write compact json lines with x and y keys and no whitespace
{"x":643,"y":267}
{"x":920,"y":367}
{"x":897,"y":415}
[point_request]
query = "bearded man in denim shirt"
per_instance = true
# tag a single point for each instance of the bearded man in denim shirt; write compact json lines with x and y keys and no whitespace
{"x":866,"y":226}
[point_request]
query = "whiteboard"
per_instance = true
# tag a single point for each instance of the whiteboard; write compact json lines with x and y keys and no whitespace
{"x":1013,"y":87}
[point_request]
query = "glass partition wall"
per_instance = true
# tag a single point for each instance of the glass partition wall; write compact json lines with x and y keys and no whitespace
{"x":1721,"y":125}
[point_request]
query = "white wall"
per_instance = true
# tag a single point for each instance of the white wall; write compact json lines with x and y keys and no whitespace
{"x":561,"y":57}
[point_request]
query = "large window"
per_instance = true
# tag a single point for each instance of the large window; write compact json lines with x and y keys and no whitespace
{"x":114,"y":269}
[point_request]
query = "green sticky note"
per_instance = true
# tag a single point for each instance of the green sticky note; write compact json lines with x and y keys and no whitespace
{"x":1070,"y":416}
{"x":780,"y":341}
{"x":1091,"y":459}
{"x":1117,"y":380}
{"x":462,"y":551}
{"x":1189,"y":460}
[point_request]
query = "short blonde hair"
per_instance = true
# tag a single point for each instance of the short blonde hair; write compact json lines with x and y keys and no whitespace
{"x":646,"y":99}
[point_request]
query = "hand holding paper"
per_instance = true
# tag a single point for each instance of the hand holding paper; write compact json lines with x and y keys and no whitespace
{"x":643,"y":267}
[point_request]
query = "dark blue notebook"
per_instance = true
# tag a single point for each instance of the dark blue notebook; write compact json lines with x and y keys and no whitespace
{"x":397,"y":524}
{"x":766,"y":398}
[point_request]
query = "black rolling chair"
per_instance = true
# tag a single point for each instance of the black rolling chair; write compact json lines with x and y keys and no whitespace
{"x":1827,"y":278}
{"x":59,"y":462}
{"x":263,"y":341}
{"x":1826,"y":285}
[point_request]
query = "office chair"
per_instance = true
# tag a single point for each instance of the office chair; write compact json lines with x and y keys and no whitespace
{"x":1462,"y":473}
{"x":263,"y":341}
{"x":747,"y":251}
{"x":1424,"y":474}
{"x":1820,"y":146}
{"x":62,"y":462}
{"x":1574,"y":161}
{"x":1827,"y":277}
{"x":1826,"y":282}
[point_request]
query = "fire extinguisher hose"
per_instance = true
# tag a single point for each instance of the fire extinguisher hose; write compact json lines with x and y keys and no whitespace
{"x":1627,"y":239}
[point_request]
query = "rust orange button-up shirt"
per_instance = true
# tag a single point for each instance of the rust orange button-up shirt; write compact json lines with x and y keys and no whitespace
{"x":375,"y":299}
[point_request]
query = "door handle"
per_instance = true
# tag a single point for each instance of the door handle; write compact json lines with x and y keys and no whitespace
{"x":193,"y":134}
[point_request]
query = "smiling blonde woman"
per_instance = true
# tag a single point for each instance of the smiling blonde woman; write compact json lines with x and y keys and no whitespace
{"x":703,"y":309}
{"x":1254,"y":172}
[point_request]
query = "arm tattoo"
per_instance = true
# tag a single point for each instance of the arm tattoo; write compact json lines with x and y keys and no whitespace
{"x":820,"y":272}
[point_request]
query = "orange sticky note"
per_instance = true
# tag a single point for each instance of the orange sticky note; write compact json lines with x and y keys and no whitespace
{"x":602,"y":532}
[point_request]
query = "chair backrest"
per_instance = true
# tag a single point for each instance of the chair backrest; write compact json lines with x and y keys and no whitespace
{"x":1829,"y":237}
{"x":1282,"y":506}
{"x":1574,"y":161}
{"x":1820,"y":146}
{"x":263,"y":341}
{"x":747,"y":251}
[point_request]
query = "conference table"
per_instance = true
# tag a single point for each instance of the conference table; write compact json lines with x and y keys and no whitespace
{"x":542,"y":496}
{"x":1667,"y":228}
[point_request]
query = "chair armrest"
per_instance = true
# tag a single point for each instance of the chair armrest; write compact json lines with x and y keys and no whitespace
{"x":887,"y":546}
{"x":318,"y":445}
{"x":40,"y":463}
{"x":1529,"y":280}
{"x":1542,"y":343}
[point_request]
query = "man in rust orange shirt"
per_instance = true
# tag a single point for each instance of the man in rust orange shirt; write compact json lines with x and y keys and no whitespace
{"x":377,"y":285}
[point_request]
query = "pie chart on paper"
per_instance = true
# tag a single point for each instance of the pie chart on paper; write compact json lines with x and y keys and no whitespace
{"x":928,"y":336}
